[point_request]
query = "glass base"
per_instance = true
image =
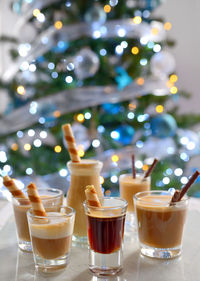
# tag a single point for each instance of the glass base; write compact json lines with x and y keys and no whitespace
{"x":25,"y":246}
{"x":105,"y":264}
{"x":48,"y":266}
{"x":160,"y":253}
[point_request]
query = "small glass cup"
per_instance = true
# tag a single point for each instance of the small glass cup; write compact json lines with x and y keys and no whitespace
{"x":51,"y":238}
{"x":129,"y":186}
{"x":52,"y":198}
{"x":105,"y":235}
{"x":160,"y":225}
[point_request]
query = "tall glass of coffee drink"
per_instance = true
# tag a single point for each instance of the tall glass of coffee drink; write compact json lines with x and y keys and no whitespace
{"x":129,"y":186}
{"x":83,"y":173}
{"x":160,"y":223}
{"x":105,"y":235}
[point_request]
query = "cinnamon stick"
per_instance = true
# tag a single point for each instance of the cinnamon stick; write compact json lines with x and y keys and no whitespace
{"x":151,"y":168}
{"x":178,"y":195}
{"x":133,"y":166}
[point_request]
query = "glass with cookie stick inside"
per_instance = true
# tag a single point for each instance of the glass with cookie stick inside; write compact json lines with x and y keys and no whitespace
{"x":105,"y":235}
{"x":52,"y":199}
{"x":51,"y":237}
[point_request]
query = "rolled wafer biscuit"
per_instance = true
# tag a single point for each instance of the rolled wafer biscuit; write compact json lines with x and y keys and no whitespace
{"x":35,"y":200}
{"x":91,"y":196}
{"x":14,"y":190}
{"x":68,"y":134}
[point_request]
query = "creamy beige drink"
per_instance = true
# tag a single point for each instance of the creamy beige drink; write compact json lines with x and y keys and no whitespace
{"x":86,"y":172}
{"x":20,"y":207}
{"x":52,"y":200}
{"x":160,"y":225}
{"x":129,"y":186}
{"x":53,"y":239}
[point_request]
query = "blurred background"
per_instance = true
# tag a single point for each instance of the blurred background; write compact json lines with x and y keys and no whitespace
{"x":130,"y":73}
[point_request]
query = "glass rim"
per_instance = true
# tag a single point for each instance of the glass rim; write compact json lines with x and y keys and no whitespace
{"x":149,"y":192}
{"x":106,"y":207}
{"x":137,"y":174}
{"x":41,"y":189}
{"x":73,"y":212}
{"x":86,"y":162}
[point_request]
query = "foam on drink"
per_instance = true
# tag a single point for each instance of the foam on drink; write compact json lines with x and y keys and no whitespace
{"x":52,"y":239}
{"x":159,"y":224}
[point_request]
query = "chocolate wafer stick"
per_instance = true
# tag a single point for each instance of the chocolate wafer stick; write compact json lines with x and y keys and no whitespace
{"x":91,"y":196}
{"x":14,"y":190}
{"x":71,"y":144}
{"x":36,"y":202}
{"x":178,"y":195}
{"x":133,"y":166}
{"x":151,"y":168}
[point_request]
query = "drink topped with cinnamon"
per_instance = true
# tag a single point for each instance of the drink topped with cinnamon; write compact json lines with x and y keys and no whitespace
{"x":83,"y":173}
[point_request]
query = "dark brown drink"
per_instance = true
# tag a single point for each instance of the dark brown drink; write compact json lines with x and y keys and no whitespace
{"x":51,"y":248}
{"x":159,"y":224}
{"x":105,"y":234}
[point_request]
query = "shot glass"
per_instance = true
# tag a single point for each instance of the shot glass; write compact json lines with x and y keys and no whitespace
{"x":105,"y":235}
{"x":51,"y":238}
{"x":160,"y":225}
{"x":52,"y":199}
{"x":129,"y":186}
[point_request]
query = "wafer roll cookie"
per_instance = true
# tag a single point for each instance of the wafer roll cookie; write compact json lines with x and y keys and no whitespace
{"x":14,"y":190}
{"x":35,"y":200}
{"x":68,"y":134}
{"x":91,"y":196}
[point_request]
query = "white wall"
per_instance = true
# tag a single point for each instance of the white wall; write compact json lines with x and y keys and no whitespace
{"x":184,"y":16}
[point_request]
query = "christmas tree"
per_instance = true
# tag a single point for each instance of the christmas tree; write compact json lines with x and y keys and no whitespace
{"x":105,"y":67}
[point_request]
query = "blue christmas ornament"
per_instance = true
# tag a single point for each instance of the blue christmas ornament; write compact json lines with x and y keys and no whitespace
{"x":61,"y":47}
{"x":124,"y":134}
{"x":152,"y":4}
{"x":40,"y":59}
{"x":112,"y":108}
{"x":163,"y":126}
{"x":122,"y":79}
{"x":47,"y":112}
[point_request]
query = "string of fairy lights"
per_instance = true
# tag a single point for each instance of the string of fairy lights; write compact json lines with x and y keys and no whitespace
{"x":36,"y":139}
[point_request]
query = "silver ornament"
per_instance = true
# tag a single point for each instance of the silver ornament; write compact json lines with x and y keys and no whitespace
{"x":86,"y":63}
{"x":162,"y":63}
{"x":95,"y":15}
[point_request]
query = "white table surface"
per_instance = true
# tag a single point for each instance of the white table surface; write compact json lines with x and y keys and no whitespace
{"x":18,"y":266}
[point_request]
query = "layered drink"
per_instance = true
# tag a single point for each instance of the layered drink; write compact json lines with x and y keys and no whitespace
{"x":105,"y":235}
{"x":160,"y":225}
{"x":83,"y":173}
{"x":51,"y":238}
